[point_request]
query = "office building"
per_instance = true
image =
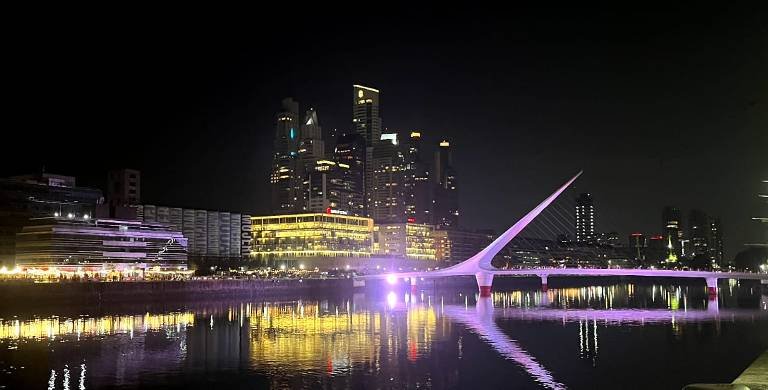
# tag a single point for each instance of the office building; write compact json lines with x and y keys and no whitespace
{"x":284,"y":179}
{"x":89,"y":244}
{"x":699,"y":233}
{"x":386,"y":189}
{"x":42,"y":195}
{"x":418,"y":188}
{"x":453,"y":246}
{"x":716,"y":253}
{"x":585,"y":219}
{"x":366,"y":120}
{"x":123,"y":187}
{"x":404,"y":240}
{"x":333,"y":189}
{"x":445,"y":207}
{"x":311,"y":150}
{"x":310,"y":239}
{"x":209,"y":234}
{"x":637,"y":246}
{"x":350,"y":151}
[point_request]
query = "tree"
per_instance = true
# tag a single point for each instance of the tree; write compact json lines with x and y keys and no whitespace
{"x":750,"y":259}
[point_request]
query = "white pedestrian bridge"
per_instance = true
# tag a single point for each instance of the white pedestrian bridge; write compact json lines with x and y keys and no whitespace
{"x":480,"y":266}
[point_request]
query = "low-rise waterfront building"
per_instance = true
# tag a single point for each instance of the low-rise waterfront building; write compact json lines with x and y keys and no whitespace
{"x":312,"y":239}
{"x":405,"y":240}
{"x":93,"y":245}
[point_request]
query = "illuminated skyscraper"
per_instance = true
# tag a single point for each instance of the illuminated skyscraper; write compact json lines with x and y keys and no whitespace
{"x":585,"y":219}
{"x":716,"y":252}
{"x":350,"y":151}
{"x":311,"y":149}
{"x":284,"y":178}
{"x":418,"y":189}
{"x":673,"y":233}
{"x":446,"y":196}
{"x":386,"y":202}
{"x":365,"y":113}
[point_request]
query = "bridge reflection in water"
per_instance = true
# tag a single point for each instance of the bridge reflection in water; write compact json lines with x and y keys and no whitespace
{"x":379,"y":338}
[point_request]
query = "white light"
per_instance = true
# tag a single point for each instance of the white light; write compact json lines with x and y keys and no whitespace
{"x":56,"y":214}
{"x":282,"y":267}
{"x":301,"y":266}
{"x":391,"y":279}
{"x":70,"y":215}
{"x":391,"y":300}
{"x":86,"y":217}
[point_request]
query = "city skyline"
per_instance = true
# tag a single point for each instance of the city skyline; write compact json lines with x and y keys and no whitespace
{"x":524,"y":110}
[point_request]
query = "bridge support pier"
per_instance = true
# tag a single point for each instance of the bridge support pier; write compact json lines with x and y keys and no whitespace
{"x":712,"y":287}
{"x":543,"y":282}
{"x":484,"y":283}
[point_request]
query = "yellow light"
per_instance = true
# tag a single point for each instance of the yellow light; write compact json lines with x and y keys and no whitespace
{"x":445,"y":144}
{"x":415,"y":134}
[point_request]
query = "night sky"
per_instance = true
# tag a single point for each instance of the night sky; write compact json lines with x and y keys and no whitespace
{"x":663,"y":106}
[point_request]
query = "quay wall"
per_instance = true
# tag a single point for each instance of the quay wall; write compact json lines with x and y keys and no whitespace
{"x":26,"y":293}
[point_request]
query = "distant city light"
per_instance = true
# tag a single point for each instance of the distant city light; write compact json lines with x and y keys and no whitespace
{"x":70,"y":215}
{"x":282,"y":267}
{"x":391,"y":279}
{"x":86,"y":216}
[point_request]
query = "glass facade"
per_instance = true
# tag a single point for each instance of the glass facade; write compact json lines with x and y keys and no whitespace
{"x":311,"y":235}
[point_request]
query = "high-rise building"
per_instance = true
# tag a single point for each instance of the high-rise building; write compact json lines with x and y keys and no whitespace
{"x":445,"y":208}
{"x":284,"y":179}
{"x":418,"y":188}
{"x":333,"y":190}
{"x":124,"y":187}
{"x":350,"y":150}
{"x":386,"y":201}
{"x":365,"y":113}
{"x":764,"y":220}
{"x":637,"y":246}
{"x":716,"y":242}
{"x":311,"y":150}
{"x":585,"y":219}
{"x":673,"y":232}
{"x":699,"y":230}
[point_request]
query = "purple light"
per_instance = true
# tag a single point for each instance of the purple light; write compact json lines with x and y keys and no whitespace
{"x":391,"y":279}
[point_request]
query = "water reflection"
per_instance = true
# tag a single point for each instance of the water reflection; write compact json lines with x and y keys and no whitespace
{"x":395,"y":339}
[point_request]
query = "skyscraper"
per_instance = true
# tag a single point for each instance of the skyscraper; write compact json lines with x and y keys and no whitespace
{"x":716,"y":252}
{"x":445,"y":212}
{"x":637,"y":246}
{"x":284,"y":179}
{"x":350,"y":150}
{"x":365,"y":113}
{"x":386,"y":203}
{"x":311,"y":149}
{"x":585,"y":219}
{"x":673,"y":233}
{"x":699,"y":233}
{"x":418,"y":189}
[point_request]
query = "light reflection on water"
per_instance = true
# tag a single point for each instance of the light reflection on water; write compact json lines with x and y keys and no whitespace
{"x":393,"y":340}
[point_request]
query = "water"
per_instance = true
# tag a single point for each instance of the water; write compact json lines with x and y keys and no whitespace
{"x":604,"y":336}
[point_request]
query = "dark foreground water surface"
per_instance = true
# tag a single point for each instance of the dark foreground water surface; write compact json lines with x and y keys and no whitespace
{"x":625,"y":335}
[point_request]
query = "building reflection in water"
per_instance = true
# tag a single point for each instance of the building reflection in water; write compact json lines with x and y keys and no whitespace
{"x":305,"y":343}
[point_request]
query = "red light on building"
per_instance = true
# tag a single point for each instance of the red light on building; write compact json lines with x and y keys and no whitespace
{"x":657,"y":238}
{"x":411,"y":220}
{"x":328,"y":210}
{"x":636,"y":234}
